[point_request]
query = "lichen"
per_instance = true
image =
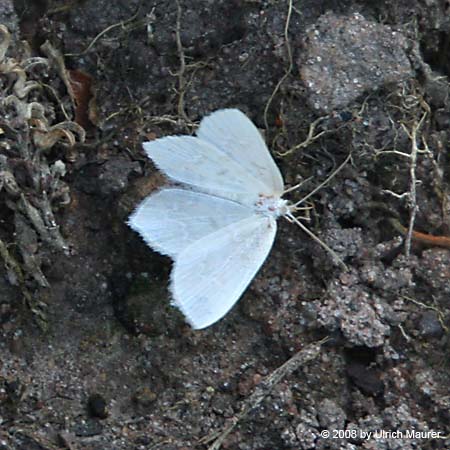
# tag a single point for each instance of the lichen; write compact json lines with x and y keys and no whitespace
{"x":31,"y":184}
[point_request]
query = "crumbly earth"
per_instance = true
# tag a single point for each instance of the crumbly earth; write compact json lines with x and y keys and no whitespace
{"x":92,"y":355}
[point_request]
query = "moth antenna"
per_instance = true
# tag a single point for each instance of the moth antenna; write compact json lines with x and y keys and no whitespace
{"x":294,"y":219}
{"x":293,"y":208}
{"x":296,"y":186}
{"x":326,"y":181}
{"x":306,"y":218}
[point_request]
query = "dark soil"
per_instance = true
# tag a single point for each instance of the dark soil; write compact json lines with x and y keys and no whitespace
{"x":92,"y":355}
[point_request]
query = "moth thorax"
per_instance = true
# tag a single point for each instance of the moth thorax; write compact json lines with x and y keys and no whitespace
{"x":271,"y":206}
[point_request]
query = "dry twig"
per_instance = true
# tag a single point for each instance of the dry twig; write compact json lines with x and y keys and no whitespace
{"x":411,"y":194}
{"x":181,"y":71}
{"x":263,"y":389}
{"x":310,"y":138}
{"x":289,"y":69}
{"x":121,"y":24}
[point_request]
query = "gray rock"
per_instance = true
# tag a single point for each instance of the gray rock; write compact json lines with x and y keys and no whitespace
{"x":346,"y":57}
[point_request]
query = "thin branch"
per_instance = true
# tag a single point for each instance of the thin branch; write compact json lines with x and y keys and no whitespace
{"x":122,"y":23}
{"x":412,"y":183}
{"x":310,"y":138}
{"x":263,"y":389}
{"x":182,"y":69}
{"x":290,"y":67}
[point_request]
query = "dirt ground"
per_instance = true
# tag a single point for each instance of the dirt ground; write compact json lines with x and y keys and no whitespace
{"x":92,"y":355}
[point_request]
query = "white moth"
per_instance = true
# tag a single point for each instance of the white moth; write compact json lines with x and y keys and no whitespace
{"x":219,"y":224}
